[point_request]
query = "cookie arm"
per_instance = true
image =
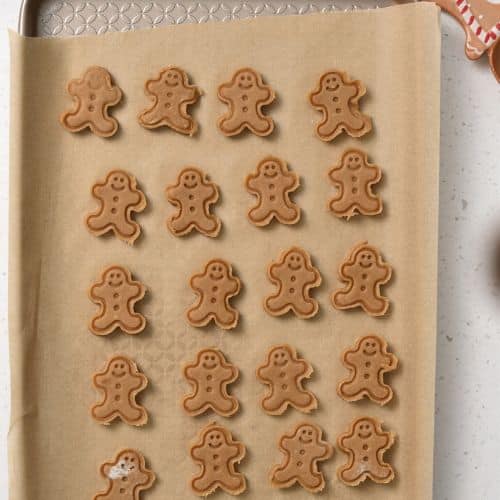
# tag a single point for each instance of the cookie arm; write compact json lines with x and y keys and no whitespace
{"x":264,"y":372}
{"x":97,"y":290}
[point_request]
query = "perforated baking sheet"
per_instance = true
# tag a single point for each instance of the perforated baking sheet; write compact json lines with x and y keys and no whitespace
{"x":49,"y":18}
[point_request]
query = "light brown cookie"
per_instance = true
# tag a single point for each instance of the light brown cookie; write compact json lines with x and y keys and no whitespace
{"x":337,"y":98}
{"x":354,"y":178}
{"x":193,"y":195}
{"x":272,"y":184}
{"x":126,"y":476}
{"x":214,"y":287}
{"x":118,"y":197}
{"x":171,"y":94}
{"x":304,"y":449}
{"x":295,"y":276}
{"x":363,"y":273}
{"x":217,"y":454}
{"x":246,"y":95}
{"x":93,"y":95}
{"x":119,"y":383}
{"x":209,"y":375}
{"x":365,"y":444}
{"x":367,"y":362}
{"x":284,"y":372}
{"x":116,"y":294}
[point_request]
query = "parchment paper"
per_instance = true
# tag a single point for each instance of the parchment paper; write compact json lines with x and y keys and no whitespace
{"x":55,"y":446}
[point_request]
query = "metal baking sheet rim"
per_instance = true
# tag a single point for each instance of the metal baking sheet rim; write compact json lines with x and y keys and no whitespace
{"x":29,"y":11}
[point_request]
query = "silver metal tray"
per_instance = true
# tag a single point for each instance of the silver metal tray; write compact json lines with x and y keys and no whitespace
{"x":51,"y":18}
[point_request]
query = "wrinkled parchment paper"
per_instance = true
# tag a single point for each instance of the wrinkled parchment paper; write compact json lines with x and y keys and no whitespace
{"x":55,"y":446}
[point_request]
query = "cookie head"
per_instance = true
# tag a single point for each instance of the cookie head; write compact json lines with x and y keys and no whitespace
{"x":352,"y":160}
{"x":307,"y":434}
{"x":215,"y":438}
{"x":270,"y":169}
{"x":371,"y":346}
{"x":119,"y":367}
{"x":172,"y":77}
{"x":295,"y":261}
{"x":217,"y":270}
{"x":118,"y":181}
{"x":191,"y":178}
{"x":96,"y":78}
{"x":365,"y":258}
{"x":245,"y":79}
{"x":128,"y":461}
{"x":210,"y":359}
{"x":280,"y":356}
{"x":331,"y":82}
{"x":364,"y":429}
{"x":115,"y":277}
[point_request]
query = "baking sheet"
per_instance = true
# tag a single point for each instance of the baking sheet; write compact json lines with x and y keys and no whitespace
{"x":55,"y":446}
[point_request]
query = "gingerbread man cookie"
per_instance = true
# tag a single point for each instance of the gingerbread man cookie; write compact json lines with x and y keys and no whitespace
{"x":283,"y":372}
{"x":116,"y":294}
{"x":363,"y":273}
{"x":127,"y":477}
{"x":480,"y":19}
{"x":295,"y":276}
{"x":217,"y":454}
{"x":354,"y":178}
{"x":171,"y":94}
{"x":214,"y":287}
{"x":119,"y":383}
{"x":118,"y":197}
{"x":337,"y":97}
{"x":365,"y":444}
{"x":209,"y":376}
{"x":246,"y":95}
{"x":367,"y":362}
{"x":93,"y":95}
{"x":193,"y":195}
{"x":303,"y":448}
{"x":272,"y":184}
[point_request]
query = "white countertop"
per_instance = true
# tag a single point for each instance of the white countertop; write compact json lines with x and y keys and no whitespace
{"x":468,"y":348}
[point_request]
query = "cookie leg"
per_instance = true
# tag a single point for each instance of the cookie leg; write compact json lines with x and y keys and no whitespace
{"x":381,"y":472}
{"x":370,"y":205}
{"x":274,"y":402}
{"x":204,"y":484}
{"x":350,"y":389}
{"x":102,"y":412}
{"x":225,"y":316}
{"x":329,"y":129}
{"x":230,"y":124}
{"x":302,"y":399}
{"x":98,"y":222}
{"x":133,"y":413}
{"x":344,"y":299}
{"x":152,"y":116}
{"x":198,"y":316}
{"x":233,"y":482}
{"x":312,"y":481}
{"x":282,"y":476}
{"x":262,"y":125}
{"x":376,"y":305}
{"x":380,"y":392}
{"x":352,"y":474}
{"x":209,"y":224}
{"x":277,"y":304}
{"x":225,"y":405}
{"x":127,"y":228}
{"x":341,"y":206}
{"x":133,"y":322}
{"x":287,"y":213}
{"x":74,"y":121}
{"x":102,"y":323}
{"x":180,"y":122}
{"x":259,"y":213}
{"x":305,"y":307}
{"x":104,"y":125}
{"x":195,"y":404}
{"x":179,"y":224}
